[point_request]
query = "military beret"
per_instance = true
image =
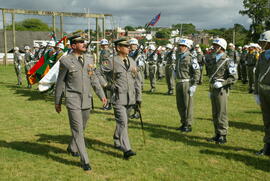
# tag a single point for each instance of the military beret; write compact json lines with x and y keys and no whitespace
{"x":121,"y":41}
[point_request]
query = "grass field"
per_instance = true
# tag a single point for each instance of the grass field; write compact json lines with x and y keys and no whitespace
{"x":34,"y":138}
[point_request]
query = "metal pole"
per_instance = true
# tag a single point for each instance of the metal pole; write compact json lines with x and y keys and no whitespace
{"x":234,"y":34}
{"x":97,"y":37}
{"x":103,"y":27}
{"x":89,"y":35}
{"x":181,"y":29}
{"x":13,"y":29}
{"x":62,"y":25}
{"x":5,"y":37}
{"x":53,"y":23}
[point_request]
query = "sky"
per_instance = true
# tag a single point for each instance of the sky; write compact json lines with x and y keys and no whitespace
{"x":204,"y":14}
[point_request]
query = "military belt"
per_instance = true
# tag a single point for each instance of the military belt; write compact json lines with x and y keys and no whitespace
{"x":182,"y":80}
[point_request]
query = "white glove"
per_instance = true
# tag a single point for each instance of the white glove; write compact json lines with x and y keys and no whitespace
{"x":218,"y":85}
{"x":192,"y":90}
{"x":257,"y":99}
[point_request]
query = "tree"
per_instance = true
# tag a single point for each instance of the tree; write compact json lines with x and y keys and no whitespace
{"x":163,"y":33}
{"x":258,"y":11}
{"x":186,"y":28}
{"x":129,"y":28}
{"x":30,"y":25}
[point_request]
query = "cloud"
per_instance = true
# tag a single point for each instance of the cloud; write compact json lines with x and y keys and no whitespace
{"x":203,"y":14}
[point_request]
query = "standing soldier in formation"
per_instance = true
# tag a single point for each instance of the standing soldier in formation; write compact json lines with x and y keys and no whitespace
{"x":222,"y":74}
{"x":36,"y":51}
{"x":243,"y":64}
{"x":201,"y":60}
{"x":28,"y":62}
{"x":152,"y":58}
{"x":127,"y":93}
{"x":170,"y":67}
{"x":251,"y":60}
{"x":160,"y":63}
{"x":262,"y":89}
{"x":18,"y":65}
{"x":105,"y":78}
{"x":187,"y":73}
{"x":77,"y":77}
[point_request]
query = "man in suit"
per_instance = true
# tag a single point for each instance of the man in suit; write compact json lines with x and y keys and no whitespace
{"x":126,"y":93}
{"x":76,"y":77}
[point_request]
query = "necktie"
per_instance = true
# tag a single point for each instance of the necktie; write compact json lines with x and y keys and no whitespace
{"x":80,"y":59}
{"x":126,"y":63}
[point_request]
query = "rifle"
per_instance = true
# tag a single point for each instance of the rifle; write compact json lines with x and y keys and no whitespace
{"x":137,"y":51}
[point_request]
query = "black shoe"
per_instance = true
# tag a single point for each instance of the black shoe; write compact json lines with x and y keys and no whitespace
{"x":186,"y":129}
{"x":86,"y":167}
{"x":181,"y":127}
{"x":221,"y":140}
{"x":250,"y":91}
{"x":107,"y":107}
{"x":213,"y":139}
{"x":75,"y":154}
{"x":264,"y":151}
{"x":128,"y":154}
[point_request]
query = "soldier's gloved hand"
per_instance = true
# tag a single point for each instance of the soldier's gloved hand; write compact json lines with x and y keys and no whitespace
{"x":257,"y":99}
{"x":192,"y":90}
{"x":217,"y":85}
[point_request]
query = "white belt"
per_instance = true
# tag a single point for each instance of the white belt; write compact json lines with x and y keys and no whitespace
{"x":182,"y":80}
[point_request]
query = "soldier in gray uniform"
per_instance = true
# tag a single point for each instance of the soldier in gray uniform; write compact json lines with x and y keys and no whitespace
{"x":262,"y":89}
{"x":28,"y":62}
{"x":152,"y":58}
{"x":201,"y":61}
{"x":105,"y":79}
{"x":251,"y":60}
{"x":243,"y":64}
{"x":17,"y":65}
{"x":127,"y":93}
{"x":222,"y":73}
{"x":170,"y":67}
{"x":187,"y":74}
{"x":160,"y":63}
{"x":76,"y":78}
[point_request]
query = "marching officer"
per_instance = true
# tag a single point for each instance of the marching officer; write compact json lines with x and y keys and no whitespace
{"x":169,"y":58}
{"x":77,"y":77}
{"x":127,"y":93}
{"x":17,"y":65}
{"x":262,"y":89}
{"x":222,"y":73}
{"x":187,"y":74}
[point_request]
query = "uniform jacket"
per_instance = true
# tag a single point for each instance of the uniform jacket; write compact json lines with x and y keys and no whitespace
{"x":261,"y":75}
{"x":187,"y":68}
{"x":126,"y":82}
{"x":227,"y":73}
{"x":251,"y":58}
{"x":77,"y":79}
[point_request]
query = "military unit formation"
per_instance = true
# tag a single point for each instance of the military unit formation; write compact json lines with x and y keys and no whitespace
{"x":117,"y":77}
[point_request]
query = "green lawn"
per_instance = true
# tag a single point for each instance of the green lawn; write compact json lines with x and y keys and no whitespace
{"x":33,"y":139}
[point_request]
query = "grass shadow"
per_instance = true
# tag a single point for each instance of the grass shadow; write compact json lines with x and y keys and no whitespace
{"x":94,"y":144}
{"x":37,"y":149}
{"x":242,"y":125}
{"x":256,"y":162}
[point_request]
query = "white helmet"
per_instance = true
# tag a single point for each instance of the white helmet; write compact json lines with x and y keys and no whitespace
{"x":240,"y":48}
{"x":265,"y":36}
{"x":36,"y":45}
{"x":245,"y":46}
{"x":60,"y":45}
{"x":231,"y":45}
{"x":52,"y":43}
{"x":27,"y":48}
{"x":221,"y":42}
{"x":152,"y":47}
{"x":169,"y":46}
{"x":186,"y":42}
{"x":197,"y":46}
{"x":104,"y":42}
{"x":133,"y":41}
{"x":252,"y":45}
{"x":16,"y":48}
